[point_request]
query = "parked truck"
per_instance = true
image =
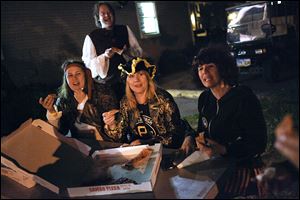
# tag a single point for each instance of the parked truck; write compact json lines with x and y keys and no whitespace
{"x":263,"y":37}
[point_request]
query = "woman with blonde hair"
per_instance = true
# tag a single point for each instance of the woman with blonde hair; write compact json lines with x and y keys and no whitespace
{"x":148,"y":113}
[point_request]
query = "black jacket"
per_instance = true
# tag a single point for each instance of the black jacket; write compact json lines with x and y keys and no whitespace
{"x":236,"y":121}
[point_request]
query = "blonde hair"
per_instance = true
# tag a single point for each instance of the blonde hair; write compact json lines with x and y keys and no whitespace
{"x":131,"y":100}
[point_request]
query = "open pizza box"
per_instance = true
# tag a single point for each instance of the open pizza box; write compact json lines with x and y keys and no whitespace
{"x":36,"y":153}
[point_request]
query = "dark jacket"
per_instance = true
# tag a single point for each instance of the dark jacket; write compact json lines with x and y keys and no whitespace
{"x":236,"y":121}
{"x":102,"y":100}
{"x":164,"y":112}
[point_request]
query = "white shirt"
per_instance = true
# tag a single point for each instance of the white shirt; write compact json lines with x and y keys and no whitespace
{"x":99,"y":64}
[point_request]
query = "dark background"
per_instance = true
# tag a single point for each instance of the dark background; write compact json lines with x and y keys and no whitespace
{"x":37,"y":36}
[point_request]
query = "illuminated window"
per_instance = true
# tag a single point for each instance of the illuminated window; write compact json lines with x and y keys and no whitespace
{"x":147,"y":18}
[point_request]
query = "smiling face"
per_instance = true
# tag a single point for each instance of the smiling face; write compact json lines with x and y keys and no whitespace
{"x":138,"y":82}
{"x":106,"y":17}
{"x":75,"y":77}
{"x":209,"y":75}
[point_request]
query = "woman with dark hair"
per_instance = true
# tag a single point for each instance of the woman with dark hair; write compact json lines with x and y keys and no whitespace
{"x":108,"y":46}
{"x":231,"y":120}
{"x":148,"y":114}
{"x":80,"y":103}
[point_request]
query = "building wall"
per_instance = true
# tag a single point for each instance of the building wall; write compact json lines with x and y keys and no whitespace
{"x":36,"y":36}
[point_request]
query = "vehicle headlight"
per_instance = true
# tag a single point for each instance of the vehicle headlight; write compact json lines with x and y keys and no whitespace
{"x":242,"y":52}
{"x":260,"y":51}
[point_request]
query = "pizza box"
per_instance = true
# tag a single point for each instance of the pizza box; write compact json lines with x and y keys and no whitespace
{"x":37,"y":153}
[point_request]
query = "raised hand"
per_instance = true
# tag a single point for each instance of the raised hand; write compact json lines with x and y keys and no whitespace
{"x":109,"y":118}
{"x":48,"y":102}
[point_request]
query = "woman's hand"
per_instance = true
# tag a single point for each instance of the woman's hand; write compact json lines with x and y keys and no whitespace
{"x":207,"y":150}
{"x":212,"y":148}
{"x":188,"y":145}
{"x":109,"y":118}
{"x":109,"y":53}
{"x":48,"y":102}
{"x":135,"y":142}
{"x":289,"y":147}
{"x":287,"y":140}
{"x":217,"y":148}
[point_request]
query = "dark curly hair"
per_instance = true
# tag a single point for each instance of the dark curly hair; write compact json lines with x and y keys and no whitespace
{"x":96,"y":12}
{"x":221,"y":57}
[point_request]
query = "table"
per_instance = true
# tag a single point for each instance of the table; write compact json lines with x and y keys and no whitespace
{"x":200,"y":180}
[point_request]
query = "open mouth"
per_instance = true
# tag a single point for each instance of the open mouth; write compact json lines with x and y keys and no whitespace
{"x":207,"y":79}
{"x":138,"y":85}
{"x":107,"y":20}
{"x":76,"y":84}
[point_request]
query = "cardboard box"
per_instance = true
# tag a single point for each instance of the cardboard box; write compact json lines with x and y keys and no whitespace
{"x":38,"y":153}
{"x":24,"y":179}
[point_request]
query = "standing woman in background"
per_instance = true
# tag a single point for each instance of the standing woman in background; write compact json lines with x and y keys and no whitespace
{"x":231,"y":119}
{"x":108,"y":46}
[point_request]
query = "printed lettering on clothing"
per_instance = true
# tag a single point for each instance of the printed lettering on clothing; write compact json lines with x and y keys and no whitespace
{"x":142,"y":130}
{"x":144,"y":127}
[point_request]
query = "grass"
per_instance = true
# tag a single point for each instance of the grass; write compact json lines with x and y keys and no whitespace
{"x":193,"y":120}
{"x":274,"y":107}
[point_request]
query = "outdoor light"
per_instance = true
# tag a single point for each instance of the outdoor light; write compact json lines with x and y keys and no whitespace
{"x":232,"y":16}
{"x":258,"y":51}
{"x":193,"y":21}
